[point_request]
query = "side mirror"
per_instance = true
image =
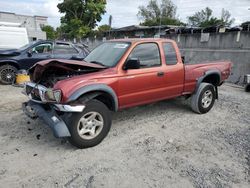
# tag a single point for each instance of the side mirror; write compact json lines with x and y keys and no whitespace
{"x":132,"y":63}
{"x":29,"y":53}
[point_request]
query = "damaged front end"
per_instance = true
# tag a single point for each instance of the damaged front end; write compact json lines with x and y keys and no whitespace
{"x":50,"y":117}
{"x":45,"y":102}
{"x":49,"y":72}
{"x":42,"y":106}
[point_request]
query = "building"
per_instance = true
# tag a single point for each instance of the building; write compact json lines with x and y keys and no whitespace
{"x":139,"y":31}
{"x":33,"y":24}
{"x":246,"y":26}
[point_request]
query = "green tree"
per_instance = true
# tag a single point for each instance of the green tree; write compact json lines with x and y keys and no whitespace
{"x":80,"y":16}
{"x":155,"y":14}
{"x":205,"y":18}
{"x":100,"y":31}
{"x":104,"y":28}
{"x":50,"y":32}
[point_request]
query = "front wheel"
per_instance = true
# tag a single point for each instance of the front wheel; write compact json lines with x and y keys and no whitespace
{"x":91,"y":126}
{"x":203,"y":100}
{"x":7,"y":74}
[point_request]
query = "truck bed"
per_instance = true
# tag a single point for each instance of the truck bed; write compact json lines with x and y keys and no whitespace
{"x":194,"y":71}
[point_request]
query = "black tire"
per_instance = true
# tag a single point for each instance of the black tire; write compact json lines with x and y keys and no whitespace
{"x":73,"y":125}
{"x":197,"y":103}
{"x":247,"y":88}
{"x":7,"y":74}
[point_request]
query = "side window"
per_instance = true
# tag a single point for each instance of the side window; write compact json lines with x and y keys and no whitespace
{"x":148,"y":54}
{"x":42,"y":48}
{"x":170,"y":54}
{"x":61,"y":48}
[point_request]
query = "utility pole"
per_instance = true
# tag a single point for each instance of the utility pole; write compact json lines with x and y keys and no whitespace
{"x":110,"y":24}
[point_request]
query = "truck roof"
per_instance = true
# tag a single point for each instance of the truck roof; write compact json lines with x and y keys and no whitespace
{"x":132,"y":40}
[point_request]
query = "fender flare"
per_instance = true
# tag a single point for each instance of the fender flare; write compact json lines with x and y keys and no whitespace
{"x":8,"y":61}
{"x":95,"y":88}
{"x":206,"y":74}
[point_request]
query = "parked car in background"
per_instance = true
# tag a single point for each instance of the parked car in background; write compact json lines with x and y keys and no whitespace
{"x":12,"y":35}
{"x":83,"y":47}
{"x":25,"y":57}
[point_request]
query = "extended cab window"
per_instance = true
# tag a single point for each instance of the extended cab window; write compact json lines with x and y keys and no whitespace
{"x":170,"y":54}
{"x":148,"y":55}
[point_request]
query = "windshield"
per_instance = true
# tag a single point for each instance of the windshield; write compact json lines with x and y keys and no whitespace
{"x":108,"y":54}
{"x":26,"y":46}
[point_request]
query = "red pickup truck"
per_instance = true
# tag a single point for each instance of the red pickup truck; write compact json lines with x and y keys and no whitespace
{"x":75,"y":98}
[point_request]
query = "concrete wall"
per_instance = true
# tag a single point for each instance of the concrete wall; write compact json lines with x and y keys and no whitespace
{"x":230,"y":40}
{"x":233,"y":46}
{"x":240,"y":59}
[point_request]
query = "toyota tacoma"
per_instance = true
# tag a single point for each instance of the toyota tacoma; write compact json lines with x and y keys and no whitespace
{"x":76,"y":98}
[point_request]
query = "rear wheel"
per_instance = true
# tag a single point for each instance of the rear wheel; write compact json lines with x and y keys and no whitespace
{"x":7,"y":74}
{"x":91,"y":126}
{"x":203,"y":100}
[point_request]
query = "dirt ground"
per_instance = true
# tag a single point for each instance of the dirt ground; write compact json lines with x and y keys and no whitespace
{"x":159,"y":145}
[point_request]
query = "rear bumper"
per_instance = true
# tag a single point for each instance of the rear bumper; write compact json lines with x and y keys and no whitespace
{"x":49,"y":116}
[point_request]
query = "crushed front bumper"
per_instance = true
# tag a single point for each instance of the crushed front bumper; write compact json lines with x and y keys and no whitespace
{"x":49,"y":114}
{"x":53,"y":114}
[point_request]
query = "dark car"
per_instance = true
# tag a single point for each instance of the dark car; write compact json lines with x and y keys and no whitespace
{"x":25,"y":57}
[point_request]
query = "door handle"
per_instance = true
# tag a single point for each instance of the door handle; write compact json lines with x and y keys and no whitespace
{"x":159,"y":74}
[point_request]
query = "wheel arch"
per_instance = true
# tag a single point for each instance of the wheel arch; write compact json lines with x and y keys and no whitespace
{"x":10,"y":62}
{"x":212,"y":77}
{"x":100,"y":92}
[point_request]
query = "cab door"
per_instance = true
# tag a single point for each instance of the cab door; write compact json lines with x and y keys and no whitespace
{"x":145,"y":84}
{"x":174,"y":71}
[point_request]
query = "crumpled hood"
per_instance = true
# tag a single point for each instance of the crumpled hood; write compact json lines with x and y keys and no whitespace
{"x":36,"y":72}
{"x":11,"y":52}
{"x":69,"y":86}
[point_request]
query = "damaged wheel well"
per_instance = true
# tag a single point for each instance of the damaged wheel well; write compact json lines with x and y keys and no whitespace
{"x":101,"y":96}
{"x":101,"y":92}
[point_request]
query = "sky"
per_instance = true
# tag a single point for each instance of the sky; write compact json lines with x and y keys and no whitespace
{"x":124,"y":12}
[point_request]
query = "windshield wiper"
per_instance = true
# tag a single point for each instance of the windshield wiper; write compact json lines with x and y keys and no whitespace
{"x":98,"y":63}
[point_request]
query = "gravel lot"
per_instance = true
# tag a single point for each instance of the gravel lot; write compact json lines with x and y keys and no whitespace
{"x":158,"y":145}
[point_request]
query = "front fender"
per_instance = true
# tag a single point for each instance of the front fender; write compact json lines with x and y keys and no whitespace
{"x":94,"y":88}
